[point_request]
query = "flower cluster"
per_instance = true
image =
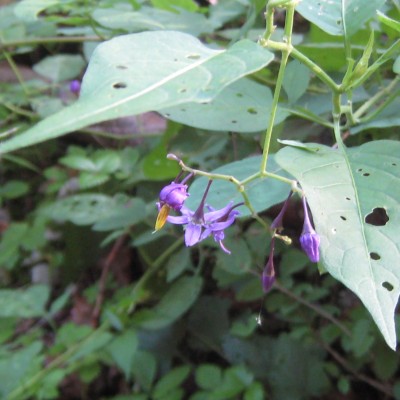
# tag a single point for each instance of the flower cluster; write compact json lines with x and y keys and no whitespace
{"x":309,"y":240}
{"x":198,"y":224}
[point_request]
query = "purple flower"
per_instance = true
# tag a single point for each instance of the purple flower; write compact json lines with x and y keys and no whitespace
{"x":200,"y":225}
{"x":174,"y":195}
{"x":268,"y":275}
{"x":75,"y":86}
{"x":171,"y":196}
{"x":309,"y":239}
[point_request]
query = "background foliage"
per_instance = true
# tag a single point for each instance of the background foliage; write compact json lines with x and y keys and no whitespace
{"x":93,"y":304}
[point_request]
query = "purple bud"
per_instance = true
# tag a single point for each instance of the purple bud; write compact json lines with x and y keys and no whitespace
{"x":268,"y":275}
{"x":309,"y":239}
{"x":277,"y":223}
{"x":310,"y":244}
{"x":75,"y":86}
{"x":174,"y":195}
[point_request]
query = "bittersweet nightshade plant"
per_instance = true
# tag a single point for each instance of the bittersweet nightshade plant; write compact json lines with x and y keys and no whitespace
{"x":309,"y":239}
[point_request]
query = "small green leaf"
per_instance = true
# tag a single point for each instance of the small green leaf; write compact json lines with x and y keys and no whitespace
{"x":254,"y":392}
{"x":28,"y":10}
{"x":26,"y":303}
{"x":296,"y":80}
{"x":179,"y":262}
{"x":179,"y":298}
{"x":208,"y":376}
{"x":170,"y":381}
{"x":362,"y":64}
{"x":60,"y":67}
{"x":13,"y":189}
{"x":144,"y":368}
{"x":123,"y":349}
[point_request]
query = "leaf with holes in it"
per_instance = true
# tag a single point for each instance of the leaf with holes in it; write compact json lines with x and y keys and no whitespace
{"x":355,"y":202}
{"x":241,"y":107}
{"x":339,"y":17}
{"x":147,"y":71}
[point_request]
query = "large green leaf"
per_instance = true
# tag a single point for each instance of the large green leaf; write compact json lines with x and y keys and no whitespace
{"x":339,"y":17}
{"x":355,"y":202}
{"x":262,"y":192}
{"x":147,"y":71}
{"x":241,"y":107}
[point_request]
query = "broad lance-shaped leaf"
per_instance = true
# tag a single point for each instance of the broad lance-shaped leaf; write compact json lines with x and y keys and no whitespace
{"x":355,"y":202}
{"x":147,"y":71}
{"x":339,"y":17}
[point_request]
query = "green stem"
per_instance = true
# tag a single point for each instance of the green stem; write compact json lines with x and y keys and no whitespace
{"x":16,"y":71}
{"x":375,"y":98}
{"x":285,"y":57}
{"x":18,"y":110}
{"x":336,"y":113}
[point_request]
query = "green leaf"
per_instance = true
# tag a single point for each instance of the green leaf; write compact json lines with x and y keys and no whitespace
{"x":170,"y":381}
{"x":263,"y":193}
{"x":354,"y":199}
{"x":15,"y":368}
{"x":254,"y":392}
{"x":239,"y":107}
{"x":179,"y":262}
{"x":96,"y":343}
{"x":169,"y":5}
{"x":157,"y":167}
{"x":13,"y":189}
{"x":144,"y":368}
{"x":107,"y":213}
{"x":208,"y":376}
{"x":24,"y":303}
{"x":28,"y":10}
{"x":60,"y":67}
{"x":296,"y":80}
{"x":123,"y":349}
{"x":327,"y":14}
{"x":234,"y":381}
{"x":122,"y":216}
{"x":132,"y":74}
{"x":179,"y":298}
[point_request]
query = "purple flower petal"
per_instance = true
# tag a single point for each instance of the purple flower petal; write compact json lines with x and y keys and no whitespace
{"x":192,"y":234}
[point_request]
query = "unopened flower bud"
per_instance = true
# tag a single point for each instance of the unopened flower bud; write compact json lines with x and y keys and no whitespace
{"x":309,"y":239}
{"x":268,"y":275}
{"x":174,"y":195}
